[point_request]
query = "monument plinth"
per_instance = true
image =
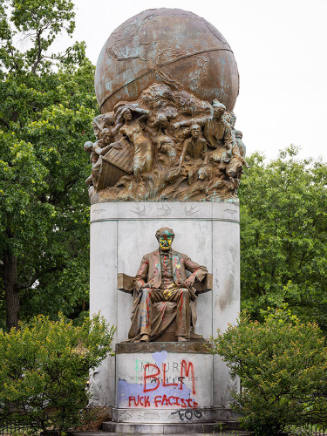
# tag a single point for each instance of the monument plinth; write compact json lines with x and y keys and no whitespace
{"x":166,"y":162}
{"x":121,"y":232}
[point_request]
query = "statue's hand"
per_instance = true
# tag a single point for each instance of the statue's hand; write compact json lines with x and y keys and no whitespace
{"x":189,"y":282}
{"x":139,"y":285}
{"x":168,"y":292}
{"x":145,"y":286}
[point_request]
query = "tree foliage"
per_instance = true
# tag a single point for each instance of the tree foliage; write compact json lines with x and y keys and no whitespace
{"x":284,"y":236}
{"x":282,"y":366}
{"x":47,"y":104}
{"x":45,"y":369}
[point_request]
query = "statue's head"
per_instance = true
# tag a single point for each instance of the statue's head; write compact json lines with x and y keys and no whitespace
{"x":106,"y":134}
{"x":109,"y":119}
{"x":162,"y":120}
{"x":88,"y":146}
{"x":231,"y":118}
{"x":127,"y":114}
{"x":186,"y":132}
{"x":195,"y":130}
{"x":165,"y":237}
{"x":218,"y":109}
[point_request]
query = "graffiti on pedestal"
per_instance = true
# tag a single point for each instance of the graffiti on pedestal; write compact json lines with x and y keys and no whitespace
{"x":188,"y":414}
{"x":160,"y":385}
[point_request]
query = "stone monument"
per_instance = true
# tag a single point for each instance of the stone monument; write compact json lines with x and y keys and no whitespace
{"x":166,"y":162}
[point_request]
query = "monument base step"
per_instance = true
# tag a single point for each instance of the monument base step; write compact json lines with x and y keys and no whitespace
{"x":195,"y":428}
{"x":220,"y":433}
{"x":210,"y":428}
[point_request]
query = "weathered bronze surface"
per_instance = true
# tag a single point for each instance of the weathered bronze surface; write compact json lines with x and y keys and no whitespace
{"x":164,"y":291}
{"x":166,"y":82}
{"x":167,"y":145}
{"x":171,"y":44}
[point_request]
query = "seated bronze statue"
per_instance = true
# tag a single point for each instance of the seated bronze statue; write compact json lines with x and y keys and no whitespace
{"x":165,"y":289}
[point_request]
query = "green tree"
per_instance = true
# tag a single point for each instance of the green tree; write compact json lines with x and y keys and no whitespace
{"x":282,"y":366}
{"x":284,"y":236}
{"x":45,"y":369}
{"x":47,"y":104}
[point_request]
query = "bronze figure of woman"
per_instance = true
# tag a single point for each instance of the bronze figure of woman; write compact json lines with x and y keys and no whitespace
{"x":131,"y":127}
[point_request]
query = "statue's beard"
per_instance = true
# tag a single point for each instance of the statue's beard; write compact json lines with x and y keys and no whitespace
{"x":165,"y":248}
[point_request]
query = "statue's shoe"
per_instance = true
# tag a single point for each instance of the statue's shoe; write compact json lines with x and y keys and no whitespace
{"x":145,"y":338}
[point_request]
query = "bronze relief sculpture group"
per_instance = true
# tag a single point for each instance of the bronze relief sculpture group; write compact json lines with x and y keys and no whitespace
{"x":166,"y":145}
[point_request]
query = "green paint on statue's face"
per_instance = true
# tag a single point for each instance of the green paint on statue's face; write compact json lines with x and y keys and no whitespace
{"x":165,"y":241}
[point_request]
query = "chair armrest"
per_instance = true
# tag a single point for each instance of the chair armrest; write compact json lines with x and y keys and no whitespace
{"x":205,"y":286}
{"x":125,"y":283}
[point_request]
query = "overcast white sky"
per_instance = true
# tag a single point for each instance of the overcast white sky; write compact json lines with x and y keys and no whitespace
{"x":280,"y":49}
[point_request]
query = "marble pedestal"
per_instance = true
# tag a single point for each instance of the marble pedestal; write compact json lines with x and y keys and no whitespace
{"x":163,"y":382}
{"x":121,"y":233}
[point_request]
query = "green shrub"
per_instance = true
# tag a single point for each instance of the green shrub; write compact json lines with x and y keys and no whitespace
{"x":282,"y":366}
{"x":45,"y":368}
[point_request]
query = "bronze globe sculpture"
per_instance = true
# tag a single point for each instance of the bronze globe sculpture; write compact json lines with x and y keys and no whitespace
{"x":166,"y":82}
{"x":176,"y":44}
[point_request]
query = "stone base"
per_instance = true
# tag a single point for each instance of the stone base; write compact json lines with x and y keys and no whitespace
{"x":210,"y":427}
{"x":163,"y":382}
{"x":173,"y":416}
{"x":166,"y":388}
